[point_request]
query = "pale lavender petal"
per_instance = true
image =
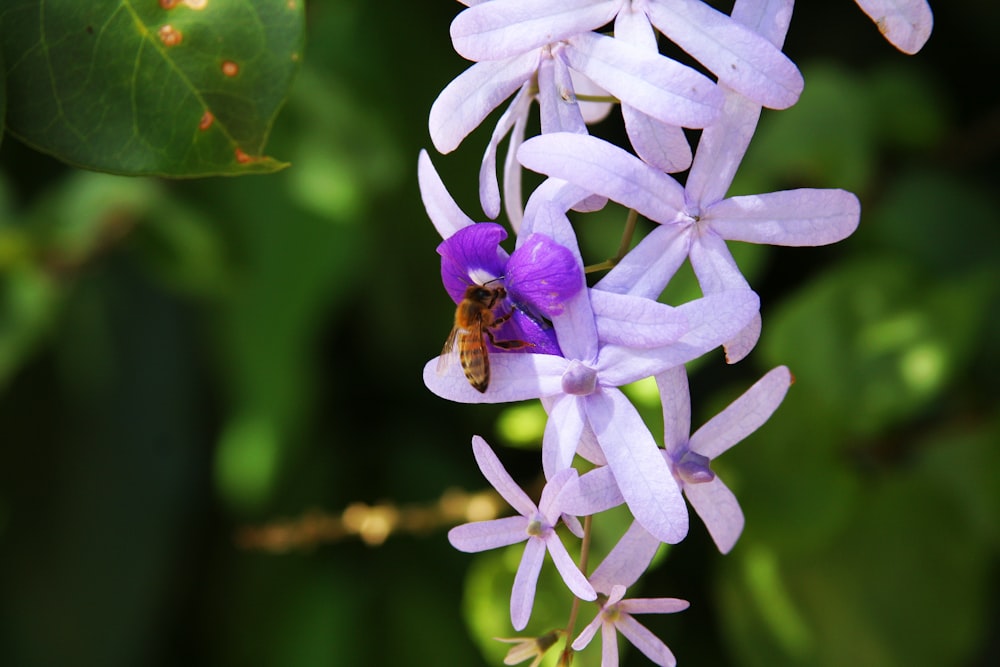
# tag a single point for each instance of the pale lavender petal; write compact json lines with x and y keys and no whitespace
{"x":713,"y":320}
{"x":543,"y":274}
{"x":719,"y":510}
{"x":472,"y":95}
{"x":522,"y":596}
{"x":504,"y":28}
{"x":583,"y":639}
{"x":609,"y":645}
{"x":643,"y":476}
{"x":653,"y":605}
{"x":648,"y":267}
{"x":605,"y":169}
{"x":591,"y":493}
{"x":589,"y":448}
{"x":767,"y":18}
{"x":558,"y":109}
{"x":489,"y":190}
{"x":649,"y":644}
{"x":570,"y":573}
{"x":562,"y":433}
{"x":442,"y":210}
{"x":713,"y":264}
{"x":907,"y":24}
{"x":633,"y":27}
{"x":658,"y":86}
{"x":740,"y":345}
{"x":663,"y":146}
{"x":593,"y":111}
{"x":573,"y":524}
{"x":804,"y":217}
{"x":744,"y":415}
{"x":548,"y":504}
{"x":636,"y":321}
{"x":741,"y":59}
{"x":484,"y":535}
{"x":721,"y":149}
{"x":555,"y":194}
{"x":513,"y":201}
{"x":627,"y":561}
{"x":675,"y":398}
{"x":500,"y":479}
{"x":514,"y":377}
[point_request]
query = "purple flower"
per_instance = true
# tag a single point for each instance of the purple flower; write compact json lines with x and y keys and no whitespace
{"x":696,"y":221}
{"x":907,"y":24}
{"x":614,"y":341}
{"x":616,"y":617}
{"x":689,"y":458}
{"x":535,"y":526}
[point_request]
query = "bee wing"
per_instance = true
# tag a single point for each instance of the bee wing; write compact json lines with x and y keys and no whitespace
{"x":448,"y":353}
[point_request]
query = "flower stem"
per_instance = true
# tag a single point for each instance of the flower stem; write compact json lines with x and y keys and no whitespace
{"x":623,"y":247}
{"x":567,"y":655}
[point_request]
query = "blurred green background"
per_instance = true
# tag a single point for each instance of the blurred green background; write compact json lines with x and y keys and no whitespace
{"x":185,"y":362}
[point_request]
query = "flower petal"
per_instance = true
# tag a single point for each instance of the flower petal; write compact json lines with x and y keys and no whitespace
{"x":653,"y":605}
{"x":543,"y":274}
{"x":562,"y":433}
{"x":484,"y":535}
{"x":500,"y":479}
{"x":719,"y":510}
{"x":489,"y":189}
{"x":675,"y":397}
{"x":744,"y":415}
{"x":570,"y":573}
{"x":907,"y":24}
{"x":648,"y":267}
{"x":804,"y":217}
{"x":721,"y":149}
{"x":605,"y":169}
{"x":767,"y":18}
{"x":447,"y":217}
{"x":741,"y":58}
{"x":627,"y":561}
{"x":514,"y":377}
{"x":472,"y":251}
{"x":522,"y":596}
{"x":504,"y":28}
{"x":662,"y":145}
{"x":649,"y":644}
{"x":643,"y":476}
{"x":472,"y":95}
{"x":658,"y":86}
{"x":558,"y":109}
{"x":636,"y":321}
{"x":583,"y":639}
{"x":591,"y":493}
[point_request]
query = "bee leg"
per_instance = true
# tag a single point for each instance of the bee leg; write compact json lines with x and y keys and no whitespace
{"x":507,"y":344}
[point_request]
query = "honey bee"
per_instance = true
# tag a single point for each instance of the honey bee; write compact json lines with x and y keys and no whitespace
{"x":474,"y":319}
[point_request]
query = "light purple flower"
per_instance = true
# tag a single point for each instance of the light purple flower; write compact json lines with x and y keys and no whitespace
{"x":535,"y":526}
{"x":614,"y":341}
{"x":616,"y":617}
{"x":696,"y":221}
{"x":907,"y":24}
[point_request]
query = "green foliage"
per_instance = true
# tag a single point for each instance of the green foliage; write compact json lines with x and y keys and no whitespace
{"x":172,"y":88}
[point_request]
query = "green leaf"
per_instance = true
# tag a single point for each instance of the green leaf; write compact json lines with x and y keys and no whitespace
{"x":178,"y":88}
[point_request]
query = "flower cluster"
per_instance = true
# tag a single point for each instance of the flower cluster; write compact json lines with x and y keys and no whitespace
{"x":528,"y":324}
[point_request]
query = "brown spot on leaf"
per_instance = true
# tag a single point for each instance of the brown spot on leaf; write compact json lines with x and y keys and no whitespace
{"x":229,"y":68}
{"x":206,"y":121}
{"x":169,"y":35}
{"x":168,"y":4}
{"x":243,"y":158}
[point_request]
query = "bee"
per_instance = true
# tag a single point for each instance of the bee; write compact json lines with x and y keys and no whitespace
{"x":475,"y":318}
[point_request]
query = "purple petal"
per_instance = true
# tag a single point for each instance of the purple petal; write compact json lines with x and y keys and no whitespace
{"x":514,"y":377}
{"x":447,"y":217}
{"x":741,"y":59}
{"x":605,"y":169}
{"x":675,"y":398}
{"x":658,"y":86}
{"x":741,"y":344}
{"x":719,"y":510}
{"x":714,"y":265}
{"x":767,"y":18}
{"x":907,"y":24}
{"x":591,"y":493}
{"x":472,"y":95}
{"x":548,"y":505}
{"x":653,"y":605}
{"x":503,"y":28}
{"x":593,"y":111}
{"x":649,"y":644}
{"x":744,"y":415}
{"x":522,"y":595}
{"x":472,"y":255}
{"x":562,"y":433}
{"x":553,"y":197}
{"x":489,"y":190}
{"x":643,"y":477}
{"x":484,"y":535}
{"x":570,"y":573}
{"x":636,"y":321}
{"x":648,"y":267}
{"x":805,"y":217}
{"x":659,"y":144}
{"x":543,"y":274}
{"x":627,"y":561}
{"x":609,"y":645}
{"x":513,"y":201}
{"x":583,"y":639}
{"x":721,"y":149}
{"x":500,"y":479}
